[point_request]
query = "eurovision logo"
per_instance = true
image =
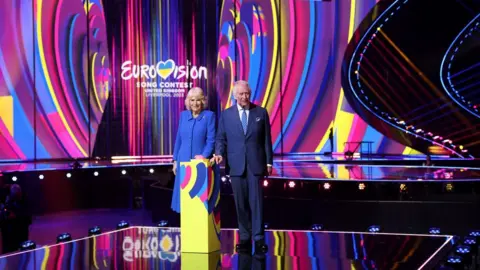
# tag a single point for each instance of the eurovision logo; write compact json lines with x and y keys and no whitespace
{"x":163,"y":69}
{"x":150,"y":74}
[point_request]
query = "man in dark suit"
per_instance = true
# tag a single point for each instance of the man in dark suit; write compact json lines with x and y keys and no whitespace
{"x":244,"y":136}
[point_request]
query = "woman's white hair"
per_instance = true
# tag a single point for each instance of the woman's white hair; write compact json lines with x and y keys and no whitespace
{"x":240,"y":83}
{"x":196,"y":91}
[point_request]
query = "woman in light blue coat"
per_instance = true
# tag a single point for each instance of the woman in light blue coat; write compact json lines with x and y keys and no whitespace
{"x":195,"y":137}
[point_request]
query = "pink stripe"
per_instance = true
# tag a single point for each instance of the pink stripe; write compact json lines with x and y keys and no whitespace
{"x":204,"y":196}
{"x":240,"y":59}
{"x":62,"y":134}
{"x":357,"y":129}
{"x":290,"y":56}
{"x":60,"y":257}
{"x":71,"y":107}
{"x":291,"y":251}
{"x":223,"y":52}
{"x":11,"y":144}
{"x":186,"y":178}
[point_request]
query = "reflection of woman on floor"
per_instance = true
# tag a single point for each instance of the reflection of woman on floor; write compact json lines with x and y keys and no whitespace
{"x":195,"y":136}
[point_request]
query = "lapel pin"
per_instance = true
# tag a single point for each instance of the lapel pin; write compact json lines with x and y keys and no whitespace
{"x":258,"y":119}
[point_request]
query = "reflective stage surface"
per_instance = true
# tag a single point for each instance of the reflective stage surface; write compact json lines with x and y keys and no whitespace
{"x":159,"y":248}
{"x":296,"y":170}
{"x":288,"y":167}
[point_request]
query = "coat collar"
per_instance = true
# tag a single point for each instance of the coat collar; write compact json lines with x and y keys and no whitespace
{"x":199,"y":117}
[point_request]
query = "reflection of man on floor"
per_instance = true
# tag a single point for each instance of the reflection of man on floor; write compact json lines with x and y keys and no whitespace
{"x":15,"y":219}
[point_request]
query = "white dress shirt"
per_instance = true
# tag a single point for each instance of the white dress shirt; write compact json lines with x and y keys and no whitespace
{"x":240,"y":111}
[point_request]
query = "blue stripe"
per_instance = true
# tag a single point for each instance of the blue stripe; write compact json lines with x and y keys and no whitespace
{"x":72,"y":69}
{"x":306,"y":70}
{"x":200,"y":181}
{"x":74,"y":251}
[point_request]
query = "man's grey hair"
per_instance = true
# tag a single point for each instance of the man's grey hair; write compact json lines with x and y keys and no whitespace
{"x":240,"y":83}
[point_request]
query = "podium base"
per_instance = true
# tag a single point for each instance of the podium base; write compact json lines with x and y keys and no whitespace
{"x":201,"y":261}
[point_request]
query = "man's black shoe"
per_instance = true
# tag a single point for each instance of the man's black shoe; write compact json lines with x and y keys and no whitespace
{"x":261,"y":247}
{"x":244,"y":246}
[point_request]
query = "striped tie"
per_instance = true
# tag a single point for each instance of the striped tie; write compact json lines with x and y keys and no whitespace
{"x":244,"y":121}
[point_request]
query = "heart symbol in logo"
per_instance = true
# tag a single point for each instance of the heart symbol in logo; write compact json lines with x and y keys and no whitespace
{"x":166,"y":68}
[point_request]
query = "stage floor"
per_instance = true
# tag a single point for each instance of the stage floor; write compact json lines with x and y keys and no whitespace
{"x":286,"y":167}
{"x":159,"y":248}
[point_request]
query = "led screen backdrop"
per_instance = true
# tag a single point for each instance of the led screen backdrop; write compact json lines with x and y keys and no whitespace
{"x":54,"y":77}
{"x":159,"y":50}
{"x":291,"y":53}
{"x":85,"y":78}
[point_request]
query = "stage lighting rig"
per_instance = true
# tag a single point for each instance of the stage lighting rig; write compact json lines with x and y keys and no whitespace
{"x":64,"y":237}
{"x":374,"y":229}
{"x":434,"y":230}
{"x":122,"y":225}
{"x":28,"y":245}
{"x":94,"y":231}
{"x":163,"y":223}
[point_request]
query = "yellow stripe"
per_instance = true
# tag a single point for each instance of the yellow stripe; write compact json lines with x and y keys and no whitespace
{"x":343,"y":123}
{"x":231,"y":85}
{"x":342,"y":172}
{"x":221,"y":11}
{"x":45,"y":258}
{"x":94,"y":253}
{"x":93,"y":83}
{"x":47,"y":78}
{"x":351,"y":27}
{"x":275,"y":56}
{"x":6,"y":113}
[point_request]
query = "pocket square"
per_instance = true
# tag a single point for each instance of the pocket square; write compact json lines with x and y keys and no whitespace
{"x":257,"y":119}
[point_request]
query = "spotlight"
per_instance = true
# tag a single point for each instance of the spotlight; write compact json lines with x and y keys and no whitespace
{"x":152,"y":170}
{"x":14,"y":178}
{"x":327,"y":186}
{"x":64,"y":237}
{"x":69,"y":175}
{"x":317,"y":227}
{"x":434,"y":230}
{"x":374,"y":229}
{"x":163,"y":223}
{"x":41,"y":176}
{"x":475,"y":233}
{"x":94,"y":231}
{"x":265,"y":183}
{"x":95,"y":173}
{"x":124,"y":172}
{"x":224,"y":179}
{"x":454,"y":261}
{"x":470,"y":241}
{"x":291,"y":184}
{"x":28,"y":245}
{"x":361,"y":186}
{"x":266,"y":225}
{"x":403,"y":188}
{"x":122,"y":225}
{"x":463,"y":250}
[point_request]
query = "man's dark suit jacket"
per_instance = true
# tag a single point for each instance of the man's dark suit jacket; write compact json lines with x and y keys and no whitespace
{"x":254,"y":147}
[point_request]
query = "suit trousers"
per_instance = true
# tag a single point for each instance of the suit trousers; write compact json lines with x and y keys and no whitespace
{"x":248,"y":195}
